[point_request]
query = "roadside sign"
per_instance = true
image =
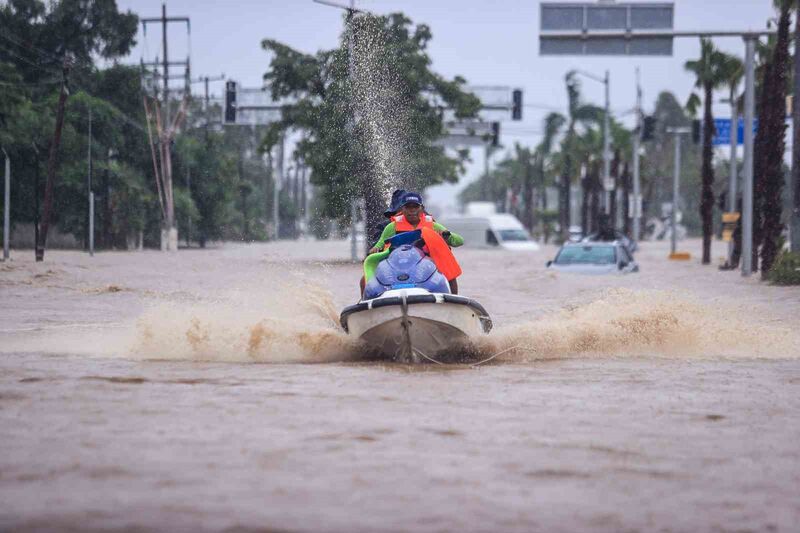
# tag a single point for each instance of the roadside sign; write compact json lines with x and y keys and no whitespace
{"x":723,"y":131}
{"x":563,"y":27}
{"x":729,"y":221}
{"x":467,"y":133}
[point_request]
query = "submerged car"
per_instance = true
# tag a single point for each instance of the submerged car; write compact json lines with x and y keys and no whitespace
{"x":594,"y":258}
{"x":618,"y":236}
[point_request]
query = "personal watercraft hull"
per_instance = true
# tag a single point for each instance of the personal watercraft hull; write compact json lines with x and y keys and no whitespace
{"x":415,"y":325}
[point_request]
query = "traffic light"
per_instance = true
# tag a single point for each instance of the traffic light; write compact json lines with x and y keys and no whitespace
{"x":648,"y":128}
{"x":516,"y":107}
{"x":230,"y":102}
{"x":697,"y":131}
{"x":495,"y":134}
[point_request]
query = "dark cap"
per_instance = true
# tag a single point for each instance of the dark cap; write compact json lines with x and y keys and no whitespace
{"x":394,"y":205}
{"x":411,"y":198}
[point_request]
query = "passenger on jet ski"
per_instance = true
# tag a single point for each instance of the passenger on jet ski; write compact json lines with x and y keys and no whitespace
{"x":412,"y":217}
{"x":389,"y":214}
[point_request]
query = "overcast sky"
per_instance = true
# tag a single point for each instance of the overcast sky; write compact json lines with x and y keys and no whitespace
{"x":489,"y":42}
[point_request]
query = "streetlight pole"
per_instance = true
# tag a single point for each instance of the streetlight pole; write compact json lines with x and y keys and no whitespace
{"x":351,"y":69}
{"x":636,"y":208}
{"x":747,"y":179}
{"x":673,"y":217}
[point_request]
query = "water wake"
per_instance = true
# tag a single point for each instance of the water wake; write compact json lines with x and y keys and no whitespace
{"x":627,"y":323}
{"x":292,"y":324}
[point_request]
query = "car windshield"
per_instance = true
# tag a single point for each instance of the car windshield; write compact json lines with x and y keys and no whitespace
{"x":586,"y":255}
{"x":513,"y":235}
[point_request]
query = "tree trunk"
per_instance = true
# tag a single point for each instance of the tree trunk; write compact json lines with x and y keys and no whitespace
{"x":586,"y":187}
{"x":626,"y":192}
{"x":564,"y":200}
{"x":772,"y":207}
{"x":596,"y":192}
{"x":373,"y":209}
{"x":527,"y":194}
{"x":760,"y":163}
{"x":794,"y":229}
{"x":707,"y":194}
{"x":543,"y":185}
{"x":795,"y":215}
{"x":108,"y":241}
{"x":613,"y":193}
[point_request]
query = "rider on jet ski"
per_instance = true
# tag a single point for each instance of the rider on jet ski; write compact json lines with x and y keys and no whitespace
{"x":411,"y":217}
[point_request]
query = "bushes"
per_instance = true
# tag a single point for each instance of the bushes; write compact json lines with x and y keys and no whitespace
{"x":786,"y":270}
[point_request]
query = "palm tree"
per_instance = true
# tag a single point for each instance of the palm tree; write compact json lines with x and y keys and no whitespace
{"x":578,"y":113}
{"x":709,"y":72}
{"x":772,"y":127}
{"x":553,"y":123}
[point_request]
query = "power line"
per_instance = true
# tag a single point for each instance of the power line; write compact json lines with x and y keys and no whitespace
{"x":28,"y":61}
{"x":7,"y":36}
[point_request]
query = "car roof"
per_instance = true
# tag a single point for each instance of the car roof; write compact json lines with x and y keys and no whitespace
{"x":591,"y":243}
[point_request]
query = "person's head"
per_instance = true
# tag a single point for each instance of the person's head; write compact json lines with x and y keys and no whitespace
{"x":394,"y":205}
{"x":412,"y":206}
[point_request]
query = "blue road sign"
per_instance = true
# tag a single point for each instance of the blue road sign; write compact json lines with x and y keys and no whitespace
{"x":723,"y":133}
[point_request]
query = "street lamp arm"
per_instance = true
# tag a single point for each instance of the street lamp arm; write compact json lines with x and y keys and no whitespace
{"x":589,"y":75}
{"x":340,"y":6}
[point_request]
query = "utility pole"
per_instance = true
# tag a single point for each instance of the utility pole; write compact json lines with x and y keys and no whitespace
{"x":6,"y":207}
{"x":676,"y":186}
{"x":747,"y":179}
{"x":52,"y":161}
{"x":636,"y":208}
{"x":166,"y":126}
{"x":89,"y":191}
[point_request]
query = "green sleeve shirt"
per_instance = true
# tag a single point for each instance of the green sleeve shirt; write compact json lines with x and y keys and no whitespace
{"x":390,"y":231}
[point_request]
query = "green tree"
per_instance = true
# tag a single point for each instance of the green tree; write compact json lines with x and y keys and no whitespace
{"x":709,"y":72}
{"x":771,"y":142}
{"x":373,"y":132}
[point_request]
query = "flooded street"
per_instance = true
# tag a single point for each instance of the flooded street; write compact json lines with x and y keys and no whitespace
{"x":213,"y":390}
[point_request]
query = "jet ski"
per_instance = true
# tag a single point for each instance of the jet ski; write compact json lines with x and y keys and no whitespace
{"x":408,"y":314}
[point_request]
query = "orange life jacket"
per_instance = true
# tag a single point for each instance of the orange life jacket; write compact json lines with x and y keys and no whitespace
{"x":401,"y":224}
{"x":440,"y":253}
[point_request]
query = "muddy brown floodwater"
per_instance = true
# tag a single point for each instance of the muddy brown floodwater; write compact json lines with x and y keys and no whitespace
{"x":213,"y":390}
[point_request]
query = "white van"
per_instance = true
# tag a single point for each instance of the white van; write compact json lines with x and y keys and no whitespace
{"x":498,"y":230}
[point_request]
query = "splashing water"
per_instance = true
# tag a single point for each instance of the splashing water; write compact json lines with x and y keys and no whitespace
{"x":291,"y":324}
{"x":381,"y":114}
{"x":628,"y":323}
